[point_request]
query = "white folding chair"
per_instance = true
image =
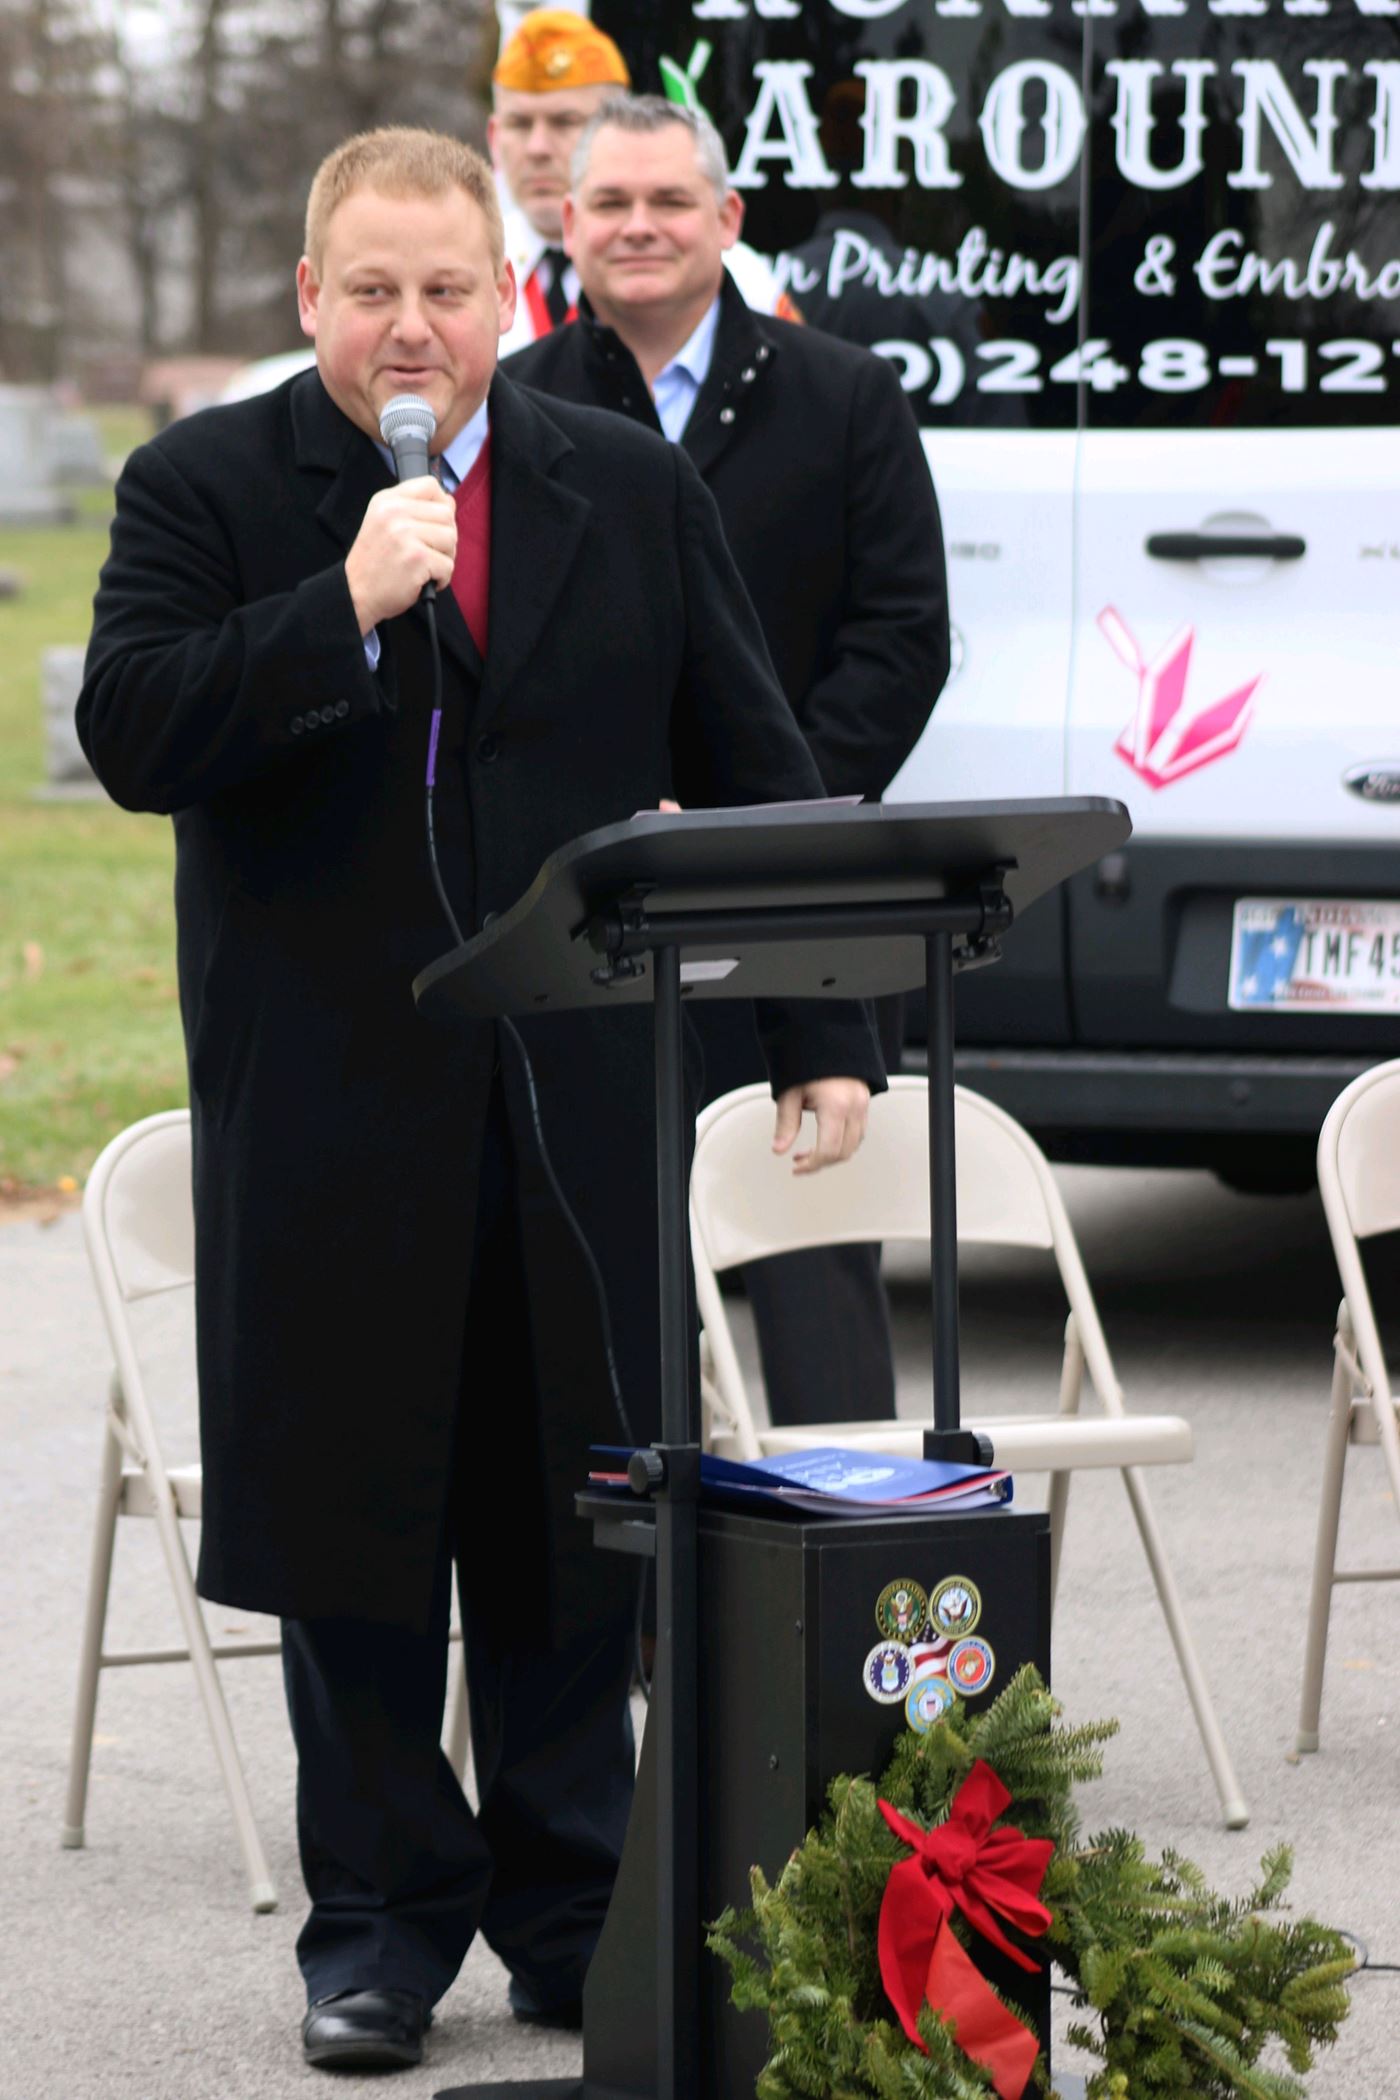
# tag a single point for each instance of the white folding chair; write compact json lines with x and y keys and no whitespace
{"x":1358,"y":1172}
{"x":745,"y":1205}
{"x":138,"y":1223}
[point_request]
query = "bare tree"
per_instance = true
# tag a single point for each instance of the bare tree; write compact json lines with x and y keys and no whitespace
{"x":51,"y":67}
{"x":191,"y":160}
{"x":278,"y":84}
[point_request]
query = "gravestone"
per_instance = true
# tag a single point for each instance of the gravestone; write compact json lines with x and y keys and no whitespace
{"x":76,"y":458}
{"x":29,"y":491}
{"x":68,"y":776}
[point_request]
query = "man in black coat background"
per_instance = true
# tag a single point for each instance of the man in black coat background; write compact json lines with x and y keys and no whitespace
{"x":816,"y":464}
{"x":399,"y":1350}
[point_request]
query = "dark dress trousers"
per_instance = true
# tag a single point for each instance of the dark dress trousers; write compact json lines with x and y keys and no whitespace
{"x":814,"y":459}
{"x":367,"y":1410}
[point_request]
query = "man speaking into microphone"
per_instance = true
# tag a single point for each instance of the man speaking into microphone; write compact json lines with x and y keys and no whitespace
{"x":400,"y":1352}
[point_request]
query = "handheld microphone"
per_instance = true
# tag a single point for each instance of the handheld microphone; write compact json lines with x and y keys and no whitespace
{"x":406,"y":425}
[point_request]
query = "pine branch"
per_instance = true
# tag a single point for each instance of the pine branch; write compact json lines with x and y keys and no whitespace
{"x":1184,"y":1989}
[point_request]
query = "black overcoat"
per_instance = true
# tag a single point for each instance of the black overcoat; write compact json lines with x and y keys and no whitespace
{"x":812,"y":454}
{"x":336,"y":1130}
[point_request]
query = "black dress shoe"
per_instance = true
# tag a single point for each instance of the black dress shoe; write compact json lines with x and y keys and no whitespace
{"x":365,"y":2030}
{"x":533,"y":2011}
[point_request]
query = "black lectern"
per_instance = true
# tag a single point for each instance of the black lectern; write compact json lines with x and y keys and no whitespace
{"x":802,"y":902}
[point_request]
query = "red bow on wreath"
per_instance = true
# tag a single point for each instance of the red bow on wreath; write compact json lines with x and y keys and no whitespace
{"x":988,"y":1874}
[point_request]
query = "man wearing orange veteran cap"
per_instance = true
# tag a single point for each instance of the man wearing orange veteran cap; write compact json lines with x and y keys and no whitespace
{"x":551,"y":76}
{"x":554,"y":73}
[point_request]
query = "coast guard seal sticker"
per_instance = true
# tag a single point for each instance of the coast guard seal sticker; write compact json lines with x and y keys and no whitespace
{"x":955,"y":1607}
{"x":929,"y":1699}
{"x":887,"y":1672}
{"x":901,"y":1610}
{"x":971,"y":1667}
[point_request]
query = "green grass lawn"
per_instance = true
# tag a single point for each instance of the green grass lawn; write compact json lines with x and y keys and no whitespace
{"x":89,"y":1027}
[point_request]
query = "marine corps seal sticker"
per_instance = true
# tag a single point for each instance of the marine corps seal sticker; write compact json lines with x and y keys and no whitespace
{"x":901,"y":1610}
{"x":971,"y":1667}
{"x":887,"y":1672}
{"x":929,"y":1699}
{"x":955,"y":1607}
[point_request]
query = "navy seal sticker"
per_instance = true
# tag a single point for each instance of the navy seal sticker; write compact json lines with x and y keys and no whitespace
{"x":954,"y":1608}
{"x":901,"y":1610}
{"x":887,"y":1672}
{"x":929,"y":1699}
{"x":971,"y":1667}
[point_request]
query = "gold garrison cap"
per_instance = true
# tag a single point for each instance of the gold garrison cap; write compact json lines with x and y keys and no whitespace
{"x":554,"y":48}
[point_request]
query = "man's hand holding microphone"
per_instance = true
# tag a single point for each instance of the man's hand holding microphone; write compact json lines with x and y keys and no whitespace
{"x":408,"y":542}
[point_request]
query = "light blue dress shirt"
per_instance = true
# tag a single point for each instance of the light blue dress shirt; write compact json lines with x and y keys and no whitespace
{"x":455,"y":462}
{"x":677,"y":384}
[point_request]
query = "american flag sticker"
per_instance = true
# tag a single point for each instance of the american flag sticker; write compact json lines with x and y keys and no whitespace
{"x":1268,"y":939}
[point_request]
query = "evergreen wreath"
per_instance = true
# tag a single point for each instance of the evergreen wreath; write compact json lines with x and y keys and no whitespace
{"x":1181,"y":1991}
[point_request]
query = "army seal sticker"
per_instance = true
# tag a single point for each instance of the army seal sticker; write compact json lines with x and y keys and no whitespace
{"x":971,"y":1667}
{"x":955,"y":1607}
{"x":929,"y":1699}
{"x":887,"y":1672}
{"x":901,"y":1610}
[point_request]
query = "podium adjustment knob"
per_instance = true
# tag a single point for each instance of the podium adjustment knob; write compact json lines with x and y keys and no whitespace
{"x":646,"y":1472}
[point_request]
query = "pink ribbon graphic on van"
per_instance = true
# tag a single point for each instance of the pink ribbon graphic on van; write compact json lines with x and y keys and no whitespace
{"x":1167,"y":737}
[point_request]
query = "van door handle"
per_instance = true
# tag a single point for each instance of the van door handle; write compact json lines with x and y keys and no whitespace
{"x":1233,"y":546}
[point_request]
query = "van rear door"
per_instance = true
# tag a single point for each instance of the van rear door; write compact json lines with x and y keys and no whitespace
{"x":1238,"y":534}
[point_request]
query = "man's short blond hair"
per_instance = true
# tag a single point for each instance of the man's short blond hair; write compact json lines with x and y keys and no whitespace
{"x":400,"y":162}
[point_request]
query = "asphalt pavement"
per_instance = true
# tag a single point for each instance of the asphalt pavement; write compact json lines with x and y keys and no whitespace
{"x":135,"y":1966}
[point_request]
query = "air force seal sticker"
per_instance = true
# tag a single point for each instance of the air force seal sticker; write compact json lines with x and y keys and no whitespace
{"x":887,"y":1672}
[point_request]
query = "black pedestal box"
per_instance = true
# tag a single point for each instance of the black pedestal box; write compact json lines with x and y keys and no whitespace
{"x":787,"y":1622}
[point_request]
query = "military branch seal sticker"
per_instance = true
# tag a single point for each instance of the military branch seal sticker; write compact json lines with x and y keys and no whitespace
{"x":955,"y":1607}
{"x":901,"y":1610}
{"x":929,"y":1699}
{"x":888,"y":1670}
{"x":971,"y":1667}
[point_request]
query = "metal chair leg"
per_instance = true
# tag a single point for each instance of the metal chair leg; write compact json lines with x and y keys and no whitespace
{"x":1057,"y":1500}
{"x":1232,"y":1801}
{"x":1390,"y":1444}
{"x":1329,"y":1517}
{"x":94,"y":1627}
{"x":459,"y":1716}
{"x":262,"y":1889}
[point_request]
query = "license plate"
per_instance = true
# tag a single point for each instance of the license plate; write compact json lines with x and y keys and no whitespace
{"x":1295,"y":955}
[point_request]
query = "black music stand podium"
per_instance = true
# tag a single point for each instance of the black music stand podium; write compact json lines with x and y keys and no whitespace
{"x":800,"y":902}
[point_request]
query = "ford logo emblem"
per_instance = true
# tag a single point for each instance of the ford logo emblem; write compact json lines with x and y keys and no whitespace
{"x":1374,"y":783}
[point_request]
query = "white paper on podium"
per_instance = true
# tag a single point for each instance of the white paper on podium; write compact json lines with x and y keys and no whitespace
{"x":734,"y":809}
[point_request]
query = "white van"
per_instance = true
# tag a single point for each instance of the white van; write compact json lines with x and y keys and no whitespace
{"x":1138,"y":263}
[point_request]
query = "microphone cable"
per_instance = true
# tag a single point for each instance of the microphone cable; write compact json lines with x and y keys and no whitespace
{"x":430,"y":608}
{"x":528,"y":1072}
